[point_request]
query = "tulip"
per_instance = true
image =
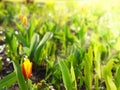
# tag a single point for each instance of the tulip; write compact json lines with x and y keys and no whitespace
{"x":27,"y":68}
{"x":25,"y":20}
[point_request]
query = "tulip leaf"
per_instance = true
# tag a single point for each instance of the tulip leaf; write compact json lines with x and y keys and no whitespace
{"x":117,"y":78}
{"x":20,"y":28}
{"x":11,"y":40}
{"x":107,"y":74}
{"x":21,"y":80}
{"x":8,"y":35}
{"x":14,"y":44}
{"x":110,"y":84}
{"x":31,"y":29}
{"x":88,"y":69}
{"x":46,"y":37}
{"x":97,"y":54}
{"x":21,"y":39}
{"x":65,"y":75}
{"x":8,"y":80}
{"x":33,"y":45}
{"x":73,"y":77}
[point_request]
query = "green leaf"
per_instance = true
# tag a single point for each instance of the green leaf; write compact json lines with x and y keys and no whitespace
{"x":30,"y":84}
{"x":14,"y":44}
{"x":18,"y":71}
{"x":20,"y":28}
{"x":32,"y":28}
{"x":8,"y":35}
{"x":107,"y":74}
{"x":65,"y":75}
{"x":96,"y":82}
{"x":26,"y":51}
{"x":8,"y":80}
{"x":97,"y":54}
{"x":46,"y":37}
{"x":21,"y":39}
{"x":110,"y":84}
{"x":117,"y":78}
{"x":81,"y":34}
{"x":73,"y":78}
{"x":33,"y":45}
{"x":88,"y":69}
{"x":11,"y":40}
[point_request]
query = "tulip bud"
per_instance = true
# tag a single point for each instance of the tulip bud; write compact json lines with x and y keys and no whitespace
{"x":25,"y":20}
{"x":27,"y":68}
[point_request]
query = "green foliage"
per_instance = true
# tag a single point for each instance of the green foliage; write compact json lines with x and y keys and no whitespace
{"x":37,"y":53}
{"x":11,"y":40}
{"x":8,"y":80}
{"x":66,"y":75}
{"x":107,"y":74}
{"x":117,"y":78}
{"x":73,"y":78}
{"x":20,"y":78}
{"x":88,"y":70}
{"x":97,"y":53}
{"x":85,"y":37}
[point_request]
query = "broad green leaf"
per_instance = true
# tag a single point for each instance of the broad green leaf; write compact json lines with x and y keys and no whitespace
{"x":108,"y":68}
{"x":8,"y":80}
{"x":31,"y":29}
{"x":107,"y":74}
{"x":88,"y":69}
{"x":18,"y":71}
{"x":65,"y":75}
{"x":97,"y":54}
{"x":96,"y":82}
{"x":11,"y":40}
{"x":21,"y":39}
{"x":26,"y":50}
{"x":8,"y":35}
{"x":33,"y":45}
{"x":20,"y":28}
{"x":46,"y":37}
{"x":110,"y":84}
{"x":14,"y":44}
{"x":117,"y":78}
{"x":82,"y":33}
{"x":73,"y":78}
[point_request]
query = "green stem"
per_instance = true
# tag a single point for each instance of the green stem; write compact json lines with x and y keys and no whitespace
{"x":27,"y":84}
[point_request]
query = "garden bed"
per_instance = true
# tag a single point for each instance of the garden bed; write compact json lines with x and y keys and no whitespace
{"x":62,"y":45}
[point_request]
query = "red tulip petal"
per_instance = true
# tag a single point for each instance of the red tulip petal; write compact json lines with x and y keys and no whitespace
{"x":23,"y":70}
